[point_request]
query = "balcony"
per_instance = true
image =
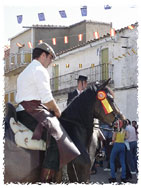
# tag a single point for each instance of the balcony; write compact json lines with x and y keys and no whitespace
{"x":68,"y":82}
{"x":15,"y":63}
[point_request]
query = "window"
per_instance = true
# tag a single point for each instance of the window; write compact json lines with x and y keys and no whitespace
{"x":6,"y":98}
{"x":105,"y":65}
{"x":12,"y":97}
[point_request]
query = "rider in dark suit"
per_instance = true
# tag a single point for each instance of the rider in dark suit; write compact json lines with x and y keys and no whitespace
{"x":81,"y":85}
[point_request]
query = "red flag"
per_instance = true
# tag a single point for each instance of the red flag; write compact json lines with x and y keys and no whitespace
{"x":40,"y":41}
{"x":65,"y":39}
{"x":54,"y":41}
{"x":19,"y":45}
{"x":80,"y":37}
{"x":96,"y":35}
{"x":130,"y":27}
{"x":30,"y":45}
{"x":112,"y":32}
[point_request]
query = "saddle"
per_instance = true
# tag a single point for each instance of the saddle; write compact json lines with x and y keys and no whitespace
{"x":22,"y":135}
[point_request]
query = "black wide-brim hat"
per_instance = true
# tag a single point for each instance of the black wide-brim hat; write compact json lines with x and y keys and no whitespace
{"x":82,"y":78}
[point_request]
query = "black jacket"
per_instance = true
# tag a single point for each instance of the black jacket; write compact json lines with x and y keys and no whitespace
{"x":71,"y":96}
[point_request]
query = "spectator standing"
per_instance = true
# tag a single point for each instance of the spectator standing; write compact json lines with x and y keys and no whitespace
{"x":118,"y":138}
{"x":135,"y":125}
{"x":132,"y":152}
{"x":81,"y":86}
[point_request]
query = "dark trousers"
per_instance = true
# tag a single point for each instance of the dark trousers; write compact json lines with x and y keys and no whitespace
{"x":108,"y":149}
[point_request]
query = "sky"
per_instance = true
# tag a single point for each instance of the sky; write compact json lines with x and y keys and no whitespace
{"x":122,"y":13}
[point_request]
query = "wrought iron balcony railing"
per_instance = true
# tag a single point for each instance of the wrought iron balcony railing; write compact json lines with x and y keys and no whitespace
{"x":97,"y":73}
{"x":15,"y":61}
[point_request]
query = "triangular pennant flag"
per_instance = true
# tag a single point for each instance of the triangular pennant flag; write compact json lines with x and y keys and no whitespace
{"x":119,"y":56}
{"x":65,"y":39}
{"x":80,"y":37}
{"x":6,"y":47}
{"x":62,"y":13}
{"x":116,"y":58}
{"x":133,"y":51}
{"x":124,"y":55}
{"x":19,"y":45}
{"x":54,"y":41}
{"x":130,"y":27}
{"x":106,"y":7}
{"x":30,"y":45}
{"x":84,"y":11}
{"x":41,"y":16}
{"x":128,"y":53}
{"x":40,"y":41}
{"x":96,"y":35}
{"x":112,"y":32}
{"x":20,"y":19}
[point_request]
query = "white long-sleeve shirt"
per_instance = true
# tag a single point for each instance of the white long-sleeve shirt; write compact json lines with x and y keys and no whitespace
{"x":131,"y":133}
{"x":34,"y":84}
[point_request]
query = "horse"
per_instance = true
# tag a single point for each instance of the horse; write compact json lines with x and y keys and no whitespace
{"x":23,"y":166}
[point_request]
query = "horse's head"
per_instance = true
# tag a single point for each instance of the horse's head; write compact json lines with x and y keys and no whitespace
{"x":105,"y":109}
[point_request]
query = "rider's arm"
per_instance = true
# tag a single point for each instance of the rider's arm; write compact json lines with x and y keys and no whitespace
{"x":52,"y":106}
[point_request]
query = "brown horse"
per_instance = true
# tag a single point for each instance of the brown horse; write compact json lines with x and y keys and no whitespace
{"x":24,"y":166}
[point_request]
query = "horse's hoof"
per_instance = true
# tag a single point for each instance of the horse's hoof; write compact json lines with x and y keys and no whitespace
{"x":93,"y":172}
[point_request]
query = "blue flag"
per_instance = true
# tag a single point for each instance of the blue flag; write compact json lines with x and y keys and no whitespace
{"x":63,"y":13}
{"x":84,"y":11}
{"x":107,"y":7}
{"x":41,"y":16}
{"x":19,"y":19}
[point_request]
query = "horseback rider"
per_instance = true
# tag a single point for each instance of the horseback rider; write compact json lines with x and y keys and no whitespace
{"x":36,"y":100}
{"x":81,"y":85}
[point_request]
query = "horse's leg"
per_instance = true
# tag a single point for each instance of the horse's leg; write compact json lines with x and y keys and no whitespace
{"x":79,"y":169}
{"x":58,"y":176}
{"x":71,"y":173}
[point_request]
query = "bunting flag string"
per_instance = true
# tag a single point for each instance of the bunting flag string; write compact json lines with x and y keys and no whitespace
{"x":124,"y":55}
{"x":62,"y":13}
{"x":80,"y":37}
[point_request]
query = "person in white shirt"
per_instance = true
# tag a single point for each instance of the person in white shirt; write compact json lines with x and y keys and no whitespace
{"x":35,"y":100}
{"x":132,"y":152}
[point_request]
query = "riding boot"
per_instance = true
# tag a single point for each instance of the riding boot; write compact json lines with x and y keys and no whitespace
{"x":47,"y":175}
